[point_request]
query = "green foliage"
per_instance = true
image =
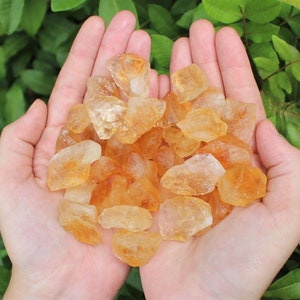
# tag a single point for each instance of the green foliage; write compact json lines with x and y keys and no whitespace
{"x":36,"y":35}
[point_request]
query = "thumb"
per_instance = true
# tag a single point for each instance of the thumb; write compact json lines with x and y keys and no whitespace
{"x":17,"y":143}
{"x":282,"y":162}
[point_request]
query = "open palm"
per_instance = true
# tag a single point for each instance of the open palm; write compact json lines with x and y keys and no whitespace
{"x":47,"y":261}
{"x":239,"y":257}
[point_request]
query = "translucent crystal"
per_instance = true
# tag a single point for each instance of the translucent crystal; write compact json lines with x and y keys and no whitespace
{"x":198,"y":175}
{"x":182,"y":217}
{"x":71,"y":166}
{"x":242,"y":185}
{"x":131,"y":73}
{"x":240,"y":118}
{"x":80,"y":193}
{"x":128,"y":217}
{"x":189,"y":82}
{"x":203,"y":124}
{"x":98,"y":86}
{"x":135,"y":248}
{"x":78,"y":118}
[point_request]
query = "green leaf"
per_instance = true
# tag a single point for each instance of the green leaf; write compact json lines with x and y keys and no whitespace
{"x":262,"y":11}
{"x":225,"y":11}
{"x":161,"y":49}
{"x":15,"y":43}
{"x":259,"y":33}
{"x":186,"y":19}
{"x":61,"y":5}
{"x":286,"y":52}
{"x":263,"y":50}
{"x":200,"y":13}
{"x":295,"y":3}
{"x":295,"y":68}
{"x":38,"y":81}
{"x":162,"y":21}
{"x":2,"y":64}
{"x":15,"y":103}
{"x":10,"y":15}
{"x":265,"y":66}
{"x":294,"y":23}
{"x":284,"y":81}
{"x":4,"y":279}
{"x":108,"y":8}
{"x":182,"y":6}
{"x":33,"y":15}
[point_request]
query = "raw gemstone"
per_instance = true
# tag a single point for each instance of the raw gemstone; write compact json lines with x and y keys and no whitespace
{"x":71,"y":166}
{"x":228,"y":150}
{"x":80,"y":220}
{"x":189,"y":82}
{"x":240,"y":118}
{"x":175,"y":111}
{"x":106,"y":114}
{"x":80,"y":193}
{"x":203,"y":124}
{"x":100,"y":193}
{"x":198,"y":175}
{"x":141,"y":116}
{"x":78,"y":118}
{"x":182,"y":145}
{"x":182,"y":217}
{"x":241,"y":185}
{"x":212,"y":98}
{"x":98,"y":86}
{"x":135,"y":248}
{"x":64,"y":139}
{"x":128,"y":217}
{"x":131,"y":73}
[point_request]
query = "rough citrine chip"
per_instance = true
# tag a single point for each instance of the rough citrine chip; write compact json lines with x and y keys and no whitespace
{"x":78,"y":118}
{"x":198,"y":175}
{"x":98,"y":86}
{"x":128,"y":217}
{"x":131,"y":73}
{"x":182,"y":217}
{"x":242,"y":185}
{"x":80,"y":193}
{"x":189,"y":82}
{"x":106,"y":114}
{"x":71,"y":166}
{"x":203,"y":124}
{"x":135,"y":248}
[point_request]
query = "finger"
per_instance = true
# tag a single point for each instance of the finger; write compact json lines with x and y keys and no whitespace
{"x":202,"y":42}
{"x":71,"y":82}
{"x":17,"y":144}
{"x":115,"y":40}
{"x":181,"y":55}
{"x":139,"y":43}
{"x":164,"y":85}
{"x":153,"y":84}
{"x":238,"y":79}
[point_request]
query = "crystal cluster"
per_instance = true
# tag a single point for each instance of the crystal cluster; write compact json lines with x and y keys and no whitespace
{"x":124,"y":155}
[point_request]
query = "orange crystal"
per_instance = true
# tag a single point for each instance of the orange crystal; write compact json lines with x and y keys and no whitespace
{"x":135,"y":248}
{"x":78,"y":118}
{"x":182,"y":217}
{"x":189,"y":82}
{"x":242,"y":185}
{"x":98,"y":86}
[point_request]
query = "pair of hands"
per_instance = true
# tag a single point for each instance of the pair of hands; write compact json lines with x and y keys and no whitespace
{"x":237,"y":259}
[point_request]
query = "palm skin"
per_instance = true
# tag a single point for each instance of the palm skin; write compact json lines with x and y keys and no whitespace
{"x":48,"y":263}
{"x":239,"y":257}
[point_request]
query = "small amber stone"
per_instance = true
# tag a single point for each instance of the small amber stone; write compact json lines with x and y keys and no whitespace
{"x":71,"y":166}
{"x":64,"y":139}
{"x":182,"y":217}
{"x":102,"y":169}
{"x":240,"y":118}
{"x":228,"y":150}
{"x":80,"y":193}
{"x":98,"y":86}
{"x":213,"y":98}
{"x":203,"y":124}
{"x":141,"y":116}
{"x":189,"y":82}
{"x":128,"y":217}
{"x":175,"y":111}
{"x":182,"y":145}
{"x":198,"y":175}
{"x":242,"y":184}
{"x":80,"y":220}
{"x":131,"y":73}
{"x":135,"y":248}
{"x":106,"y":114}
{"x":78,"y":118}
{"x":100,"y":193}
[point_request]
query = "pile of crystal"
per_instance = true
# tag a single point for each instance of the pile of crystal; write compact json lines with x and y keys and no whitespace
{"x":124,"y":156}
